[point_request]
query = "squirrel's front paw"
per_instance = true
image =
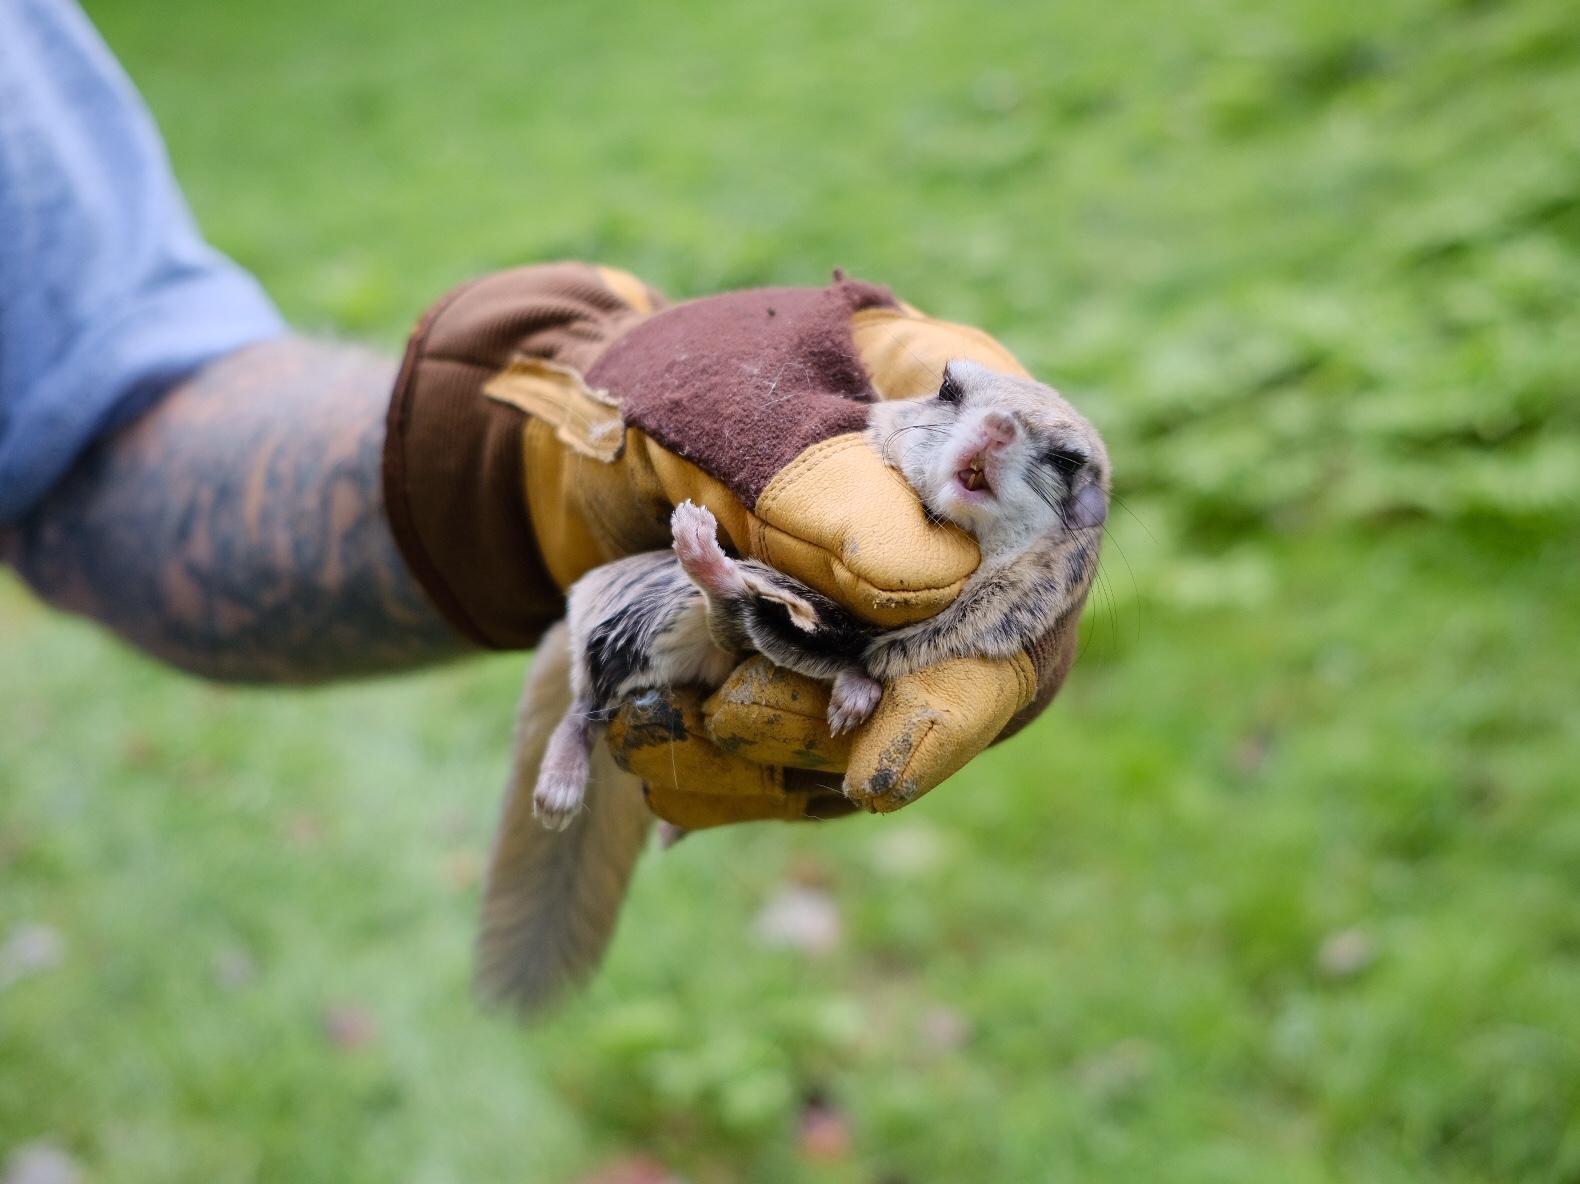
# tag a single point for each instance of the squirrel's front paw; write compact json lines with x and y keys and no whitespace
{"x":853,"y":699}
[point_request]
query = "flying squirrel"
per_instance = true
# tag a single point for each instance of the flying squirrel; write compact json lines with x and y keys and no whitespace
{"x":1004,"y":458}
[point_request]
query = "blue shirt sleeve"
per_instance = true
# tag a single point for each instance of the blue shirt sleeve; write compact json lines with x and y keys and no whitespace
{"x":108,"y":293}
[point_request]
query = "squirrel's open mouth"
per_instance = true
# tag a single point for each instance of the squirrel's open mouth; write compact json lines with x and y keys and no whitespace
{"x":974,"y":478}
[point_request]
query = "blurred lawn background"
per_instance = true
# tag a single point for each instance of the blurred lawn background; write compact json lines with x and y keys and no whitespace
{"x":1287,"y":885}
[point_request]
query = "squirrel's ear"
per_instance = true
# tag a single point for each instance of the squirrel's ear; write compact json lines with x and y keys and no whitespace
{"x":802,"y":615}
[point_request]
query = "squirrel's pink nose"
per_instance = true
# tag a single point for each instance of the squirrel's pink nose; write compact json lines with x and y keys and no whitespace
{"x":999,"y":429}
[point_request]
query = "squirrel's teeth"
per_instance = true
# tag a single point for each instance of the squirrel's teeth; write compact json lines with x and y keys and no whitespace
{"x":973,"y":478}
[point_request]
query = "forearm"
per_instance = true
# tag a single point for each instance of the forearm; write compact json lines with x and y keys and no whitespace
{"x":237,"y":530}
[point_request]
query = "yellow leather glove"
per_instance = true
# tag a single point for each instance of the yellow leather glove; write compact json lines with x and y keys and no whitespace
{"x":548,"y":419}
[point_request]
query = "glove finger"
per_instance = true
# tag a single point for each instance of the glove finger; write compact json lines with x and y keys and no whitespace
{"x":688,"y":780}
{"x":931,"y":723}
{"x":770,"y":715}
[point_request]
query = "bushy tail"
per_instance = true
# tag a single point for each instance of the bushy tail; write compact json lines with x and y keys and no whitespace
{"x":552,"y":897}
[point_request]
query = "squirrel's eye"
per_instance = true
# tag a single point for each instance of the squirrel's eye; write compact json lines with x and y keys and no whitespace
{"x":949,"y":390}
{"x":1067,"y":462}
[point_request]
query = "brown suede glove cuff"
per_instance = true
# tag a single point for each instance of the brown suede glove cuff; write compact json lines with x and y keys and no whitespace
{"x":453,"y":459}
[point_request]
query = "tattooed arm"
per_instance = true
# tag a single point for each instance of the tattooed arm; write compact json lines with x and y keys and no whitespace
{"x":237,"y":529}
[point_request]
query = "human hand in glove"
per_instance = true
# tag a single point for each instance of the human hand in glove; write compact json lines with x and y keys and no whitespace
{"x":548,"y":419}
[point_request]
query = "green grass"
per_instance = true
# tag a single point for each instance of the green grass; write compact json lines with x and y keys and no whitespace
{"x":1315,"y":270}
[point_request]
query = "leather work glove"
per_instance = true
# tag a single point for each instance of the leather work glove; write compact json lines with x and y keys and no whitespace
{"x":548,"y":419}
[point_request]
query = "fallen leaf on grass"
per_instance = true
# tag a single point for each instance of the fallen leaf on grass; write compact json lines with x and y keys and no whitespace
{"x":303,"y":830}
{"x":40,"y":1162}
{"x":810,"y":871}
{"x":234,"y":968}
{"x":1252,"y":752}
{"x":633,"y":1169}
{"x":823,"y":1133}
{"x":943,"y":1029}
{"x":31,"y":948}
{"x":799,"y":918}
{"x":140,"y":752}
{"x":908,"y":850}
{"x":1116,"y":1071}
{"x":1345,"y":954}
{"x":350,"y":1027}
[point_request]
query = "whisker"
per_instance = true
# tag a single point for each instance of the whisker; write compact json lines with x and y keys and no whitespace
{"x":1134,"y":586}
{"x":910,"y":427}
{"x":1113,"y":609}
{"x":1120,"y":502}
